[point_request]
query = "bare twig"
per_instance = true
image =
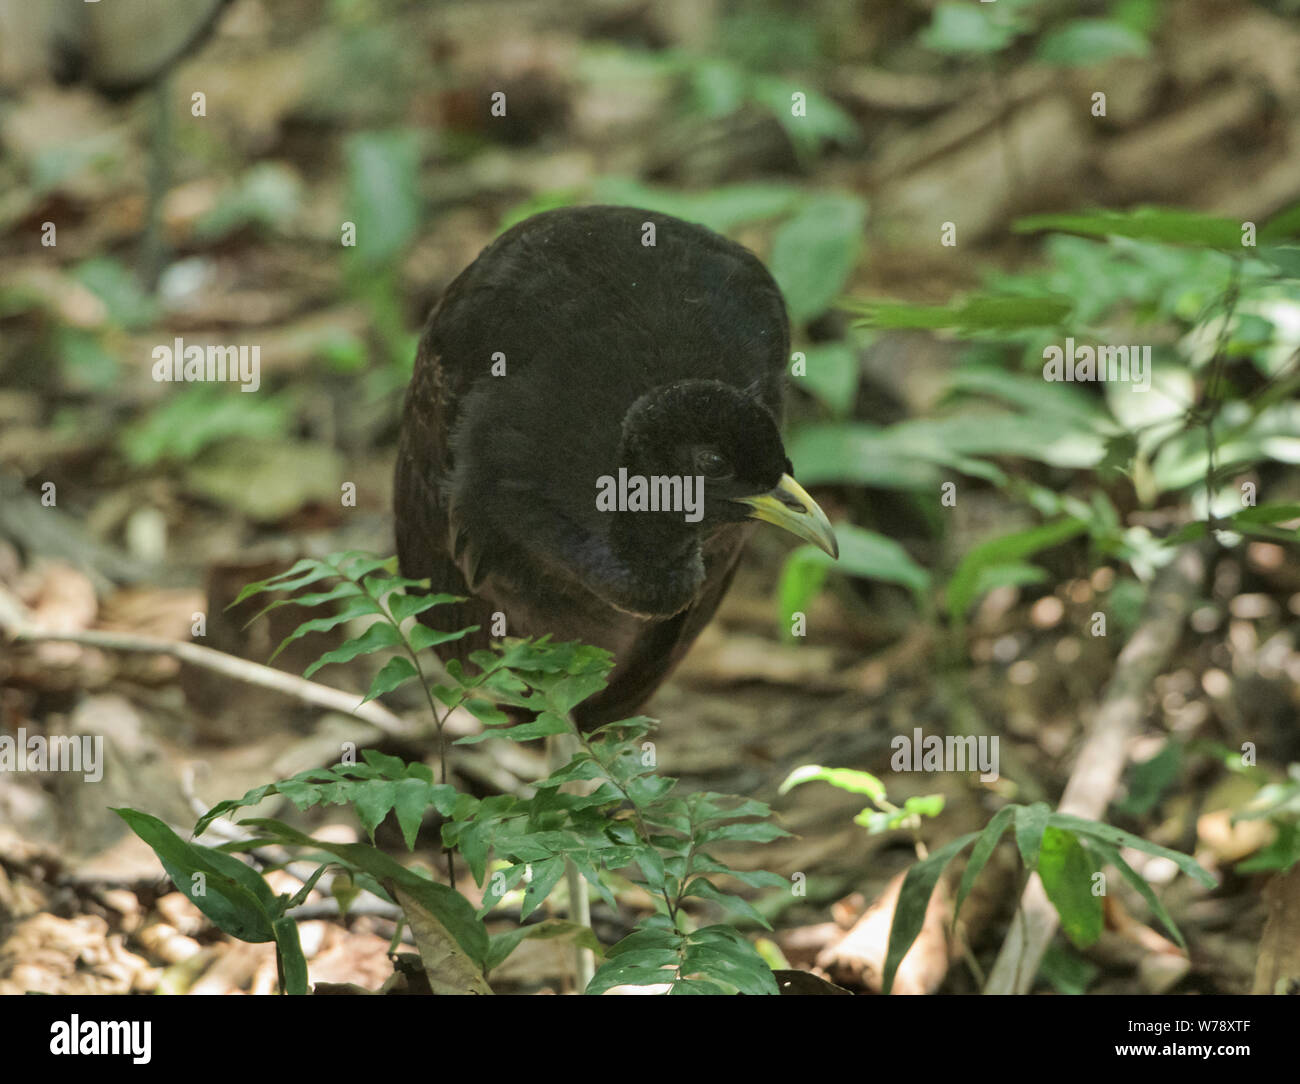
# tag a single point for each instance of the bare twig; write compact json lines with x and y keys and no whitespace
{"x":252,"y":673}
{"x":1097,"y":773}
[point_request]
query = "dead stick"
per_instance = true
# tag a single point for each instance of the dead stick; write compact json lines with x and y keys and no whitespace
{"x":1101,"y":762}
{"x":252,"y":673}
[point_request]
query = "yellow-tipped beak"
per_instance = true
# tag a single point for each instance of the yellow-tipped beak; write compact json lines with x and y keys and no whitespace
{"x":789,"y":506}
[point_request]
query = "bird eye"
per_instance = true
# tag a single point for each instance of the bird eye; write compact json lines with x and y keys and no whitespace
{"x":712,"y":465}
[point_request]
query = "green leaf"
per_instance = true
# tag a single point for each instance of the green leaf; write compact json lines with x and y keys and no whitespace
{"x":1276,"y":512}
{"x":288,"y":950}
{"x":545,"y":876}
{"x":410,"y":803}
{"x":1284,"y":257}
{"x":1083,"y":42}
{"x":1166,"y":225}
{"x":546,"y":724}
{"x":981,"y":853}
{"x":858,"y":453}
{"x":1110,"y":854}
{"x":359,"y":606}
{"x":965,"y":28}
{"x":831,"y":374}
{"x":1093,"y":830}
{"x":268,"y":197}
{"x":503,"y":944}
{"x":404,"y":606}
{"x":383,"y":193}
{"x":308,"y":570}
{"x":421,"y":636}
{"x":721,"y":954}
{"x":446,"y":904}
{"x":1033,"y":394}
{"x":1031,"y":821}
{"x":814,"y":253}
{"x":846,"y":779}
{"x":397,"y":670}
{"x":1148,"y":781}
{"x":234,"y":896}
{"x":705,"y":889}
{"x":1005,"y":549}
{"x":721,"y":209}
{"x":198,"y":416}
{"x":745,"y":832}
{"x":566,"y":694}
{"x":913,"y":900}
{"x":343,"y":589}
{"x":1067,"y":871}
{"x":378,"y":636}
{"x":1066,"y":970}
{"x":127,"y":305}
{"x":863,"y":553}
{"x":372,"y":800}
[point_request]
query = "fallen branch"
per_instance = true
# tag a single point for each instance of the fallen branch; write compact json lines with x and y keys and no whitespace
{"x":1101,"y":762}
{"x":13,"y":619}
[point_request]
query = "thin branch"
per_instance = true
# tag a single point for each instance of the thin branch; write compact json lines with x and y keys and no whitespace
{"x":251,"y":673}
{"x":1101,"y":762}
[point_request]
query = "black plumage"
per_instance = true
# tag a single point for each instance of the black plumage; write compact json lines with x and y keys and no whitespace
{"x":664,"y":359}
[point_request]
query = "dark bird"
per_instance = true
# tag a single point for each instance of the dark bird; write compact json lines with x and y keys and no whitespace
{"x":571,"y":348}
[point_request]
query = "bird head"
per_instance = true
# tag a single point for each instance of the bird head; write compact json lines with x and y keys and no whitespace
{"x":718,"y":432}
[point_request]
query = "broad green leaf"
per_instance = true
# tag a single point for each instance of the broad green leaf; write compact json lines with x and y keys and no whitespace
{"x":736,"y":963}
{"x":411,"y":802}
{"x":372,"y":800}
{"x":830,"y":372}
{"x":1067,"y":870}
{"x":233,"y":896}
{"x":857,"y":453}
{"x":964,"y":28}
{"x":1031,"y":820}
{"x":383,"y":193}
{"x":1083,"y":42}
{"x":546,"y":874}
{"x":868,"y":555}
{"x":814,"y":253}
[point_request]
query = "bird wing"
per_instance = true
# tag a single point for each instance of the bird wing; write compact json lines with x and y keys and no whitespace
{"x":427,"y":528}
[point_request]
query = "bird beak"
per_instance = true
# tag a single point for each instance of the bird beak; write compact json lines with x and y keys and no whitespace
{"x":789,"y":506}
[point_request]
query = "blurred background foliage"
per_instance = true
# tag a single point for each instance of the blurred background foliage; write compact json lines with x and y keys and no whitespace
{"x":836,"y":138}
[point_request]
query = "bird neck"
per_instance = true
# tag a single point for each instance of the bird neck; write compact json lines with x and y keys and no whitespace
{"x":660,"y":554}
